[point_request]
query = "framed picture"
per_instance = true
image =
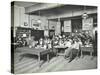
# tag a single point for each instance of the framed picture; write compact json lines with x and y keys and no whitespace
{"x":35,"y":24}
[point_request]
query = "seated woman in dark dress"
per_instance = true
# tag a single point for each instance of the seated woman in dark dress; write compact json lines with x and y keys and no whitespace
{"x":75,"y":49}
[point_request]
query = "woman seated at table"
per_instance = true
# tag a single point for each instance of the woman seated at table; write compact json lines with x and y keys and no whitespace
{"x":74,"y":50}
{"x":61,"y":43}
{"x":32,"y":42}
{"x":68,"y":44}
{"x":49,"y":43}
{"x":55,"y":42}
{"x":19,"y":41}
{"x":41,"y":42}
{"x":46,"y":42}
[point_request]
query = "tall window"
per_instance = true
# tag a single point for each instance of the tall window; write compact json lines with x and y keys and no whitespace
{"x":76,"y":25}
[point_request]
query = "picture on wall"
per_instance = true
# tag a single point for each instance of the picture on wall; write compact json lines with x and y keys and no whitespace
{"x":35,"y":24}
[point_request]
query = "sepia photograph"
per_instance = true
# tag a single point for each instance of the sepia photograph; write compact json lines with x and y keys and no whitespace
{"x":52,"y":37}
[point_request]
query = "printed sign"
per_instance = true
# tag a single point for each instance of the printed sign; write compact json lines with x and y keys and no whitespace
{"x":87,"y":24}
{"x":67,"y":26}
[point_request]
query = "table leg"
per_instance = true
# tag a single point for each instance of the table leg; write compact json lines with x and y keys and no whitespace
{"x":81,"y":54}
{"x":91,"y":54}
{"x":39,"y":60}
{"x":48,"y":57}
{"x":56,"y":52}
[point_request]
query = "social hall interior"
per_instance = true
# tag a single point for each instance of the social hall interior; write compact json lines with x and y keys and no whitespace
{"x":50,"y":37}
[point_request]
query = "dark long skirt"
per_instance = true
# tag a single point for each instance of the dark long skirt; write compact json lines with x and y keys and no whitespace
{"x":73,"y":54}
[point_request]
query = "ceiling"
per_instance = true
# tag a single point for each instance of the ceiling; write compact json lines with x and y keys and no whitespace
{"x":51,"y":9}
{"x":60,"y":10}
{"x":24,"y":4}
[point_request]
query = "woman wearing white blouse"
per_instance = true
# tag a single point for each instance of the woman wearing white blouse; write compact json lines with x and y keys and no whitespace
{"x":75,"y":50}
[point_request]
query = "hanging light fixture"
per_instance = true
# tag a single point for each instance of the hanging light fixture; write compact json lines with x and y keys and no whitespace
{"x":39,"y":20}
{"x":84,"y":15}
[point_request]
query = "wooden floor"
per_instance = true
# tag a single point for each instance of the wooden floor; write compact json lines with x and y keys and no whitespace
{"x":30,"y":65}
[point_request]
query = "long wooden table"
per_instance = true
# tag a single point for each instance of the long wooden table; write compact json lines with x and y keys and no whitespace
{"x":58,"y":48}
{"x":34,"y":51}
{"x":87,"y":49}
